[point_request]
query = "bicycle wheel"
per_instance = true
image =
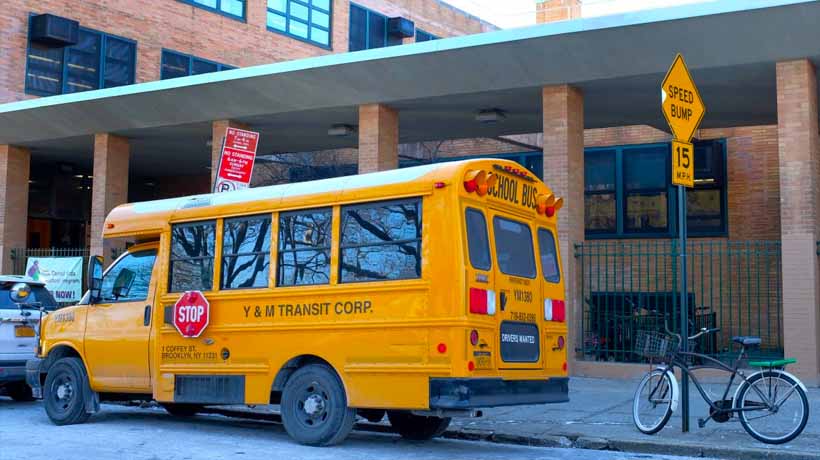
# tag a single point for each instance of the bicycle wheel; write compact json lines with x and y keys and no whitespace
{"x":779,"y":407}
{"x":652,"y":405}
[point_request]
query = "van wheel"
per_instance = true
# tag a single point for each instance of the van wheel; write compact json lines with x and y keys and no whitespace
{"x":417,"y":427}
{"x":64,"y":392}
{"x":20,"y":392}
{"x":314,"y":407}
{"x":181,"y":410}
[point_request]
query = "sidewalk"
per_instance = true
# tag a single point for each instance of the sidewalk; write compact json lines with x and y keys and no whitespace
{"x":599,"y":416}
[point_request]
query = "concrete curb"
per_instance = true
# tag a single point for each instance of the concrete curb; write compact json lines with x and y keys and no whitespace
{"x":659,"y":446}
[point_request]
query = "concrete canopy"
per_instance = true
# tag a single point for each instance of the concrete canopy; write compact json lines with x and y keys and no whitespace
{"x":731,"y":47}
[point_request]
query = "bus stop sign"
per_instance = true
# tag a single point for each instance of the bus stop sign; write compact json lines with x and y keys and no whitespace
{"x":191,"y":314}
{"x":681,"y":102}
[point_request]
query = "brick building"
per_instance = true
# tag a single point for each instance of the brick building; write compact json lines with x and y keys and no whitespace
{"x":574,"y":100}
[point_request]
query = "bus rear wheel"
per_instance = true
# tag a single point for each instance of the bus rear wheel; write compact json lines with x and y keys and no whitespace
{"x":417,"y":427}
{"x":314,"y":407}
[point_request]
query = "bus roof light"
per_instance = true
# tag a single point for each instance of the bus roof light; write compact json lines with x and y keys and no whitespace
{"x":473,"y":179}
{"x":485,"y":185}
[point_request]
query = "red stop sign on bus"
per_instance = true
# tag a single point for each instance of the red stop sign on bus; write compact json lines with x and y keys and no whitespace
{"x":191,"y":314}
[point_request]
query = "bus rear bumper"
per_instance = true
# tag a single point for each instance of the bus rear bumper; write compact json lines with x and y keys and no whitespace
{"x":461,"y":394}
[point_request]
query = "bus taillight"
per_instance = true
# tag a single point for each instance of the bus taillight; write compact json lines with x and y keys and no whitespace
{"x":555,"y":310}
{"x":482,"y":301}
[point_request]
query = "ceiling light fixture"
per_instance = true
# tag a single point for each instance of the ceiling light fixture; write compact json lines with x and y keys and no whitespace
{"x":490,"y":116}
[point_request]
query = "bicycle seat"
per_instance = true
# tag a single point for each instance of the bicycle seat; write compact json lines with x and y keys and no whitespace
{"x":747,"y":341}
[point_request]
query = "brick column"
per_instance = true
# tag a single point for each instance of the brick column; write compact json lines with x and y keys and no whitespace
{"x":14,"y":176}
{"x":378,"y":138}
{"x":110,"y":186}
{"x":563,"y":111}
{"x":218,"y":130}
{"x":798,"y":144}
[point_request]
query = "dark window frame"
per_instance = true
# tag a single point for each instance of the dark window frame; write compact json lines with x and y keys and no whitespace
{"x":666,"y":189}
{"x":104,"y":37}
{"x":672,"y":195}
{"x":190,"y":58}
{"x":480,"y":213}
{"x":309,"y":24}
{"x":280,"y":251}
{"x":428,"y":37}
{"x":218,"y":10}
{"x":171,"y":258}
{"x":367,"y":44}
{"x":225,"y":255}
{"x":370,"y":204}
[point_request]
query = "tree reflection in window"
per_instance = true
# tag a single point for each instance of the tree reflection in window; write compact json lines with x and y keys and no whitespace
{"x":192,"y":257}
{"x":304,"y":248}
{"x":142,"y":264}
{"x":381,"y":241}
{"x":246,"y":252}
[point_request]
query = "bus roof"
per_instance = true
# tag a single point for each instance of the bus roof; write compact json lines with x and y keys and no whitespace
{"x":149,"y":218}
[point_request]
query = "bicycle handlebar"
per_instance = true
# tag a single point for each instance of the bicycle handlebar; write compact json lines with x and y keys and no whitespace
{"x":702,"y":332}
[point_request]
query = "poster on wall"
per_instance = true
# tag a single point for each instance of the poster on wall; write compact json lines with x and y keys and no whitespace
{"x":63,"y":276}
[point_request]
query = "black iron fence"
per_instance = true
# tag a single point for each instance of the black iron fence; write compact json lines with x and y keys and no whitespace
{"x":629,"y":286}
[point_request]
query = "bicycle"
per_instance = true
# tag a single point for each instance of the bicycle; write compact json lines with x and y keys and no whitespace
{"x":777,"y":394}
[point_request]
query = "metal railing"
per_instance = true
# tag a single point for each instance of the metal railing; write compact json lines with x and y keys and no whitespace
{"x":629,"y":286}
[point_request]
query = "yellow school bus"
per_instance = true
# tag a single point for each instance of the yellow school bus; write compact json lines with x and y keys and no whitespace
{"x":423,"y":293}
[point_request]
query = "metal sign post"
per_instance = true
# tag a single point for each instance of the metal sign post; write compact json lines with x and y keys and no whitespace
{"x":683,"y":109}
{"x":684,"y":306}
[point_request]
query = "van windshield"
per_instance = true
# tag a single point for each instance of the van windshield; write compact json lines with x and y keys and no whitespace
{"x":513,"y":247}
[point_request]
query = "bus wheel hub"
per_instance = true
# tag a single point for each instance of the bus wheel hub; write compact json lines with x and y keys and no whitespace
{"x":314,"y":405}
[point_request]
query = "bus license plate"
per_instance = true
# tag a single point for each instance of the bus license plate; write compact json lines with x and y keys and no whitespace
{"x":483,"y":359}
{"x":24,"y":331}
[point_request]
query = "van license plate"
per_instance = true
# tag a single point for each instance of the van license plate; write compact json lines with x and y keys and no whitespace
{"x":24,"y":331}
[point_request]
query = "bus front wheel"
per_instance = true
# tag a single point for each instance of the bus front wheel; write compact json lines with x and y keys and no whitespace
{"x":417,"y":427}
{"x":314,"y":407}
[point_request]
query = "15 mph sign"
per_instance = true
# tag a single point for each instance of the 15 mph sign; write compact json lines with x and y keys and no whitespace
{"x":681,"y":102}
{"x":191,"y":314}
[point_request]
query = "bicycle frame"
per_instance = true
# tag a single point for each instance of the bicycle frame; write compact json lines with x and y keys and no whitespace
{"x":717,"y":365}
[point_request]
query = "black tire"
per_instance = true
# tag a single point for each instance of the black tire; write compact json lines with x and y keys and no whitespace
{"x":64,"y":393}
{"x":417,"y":427}
{"x":182,"y":410}
{"x":20,"y":392}
{"x":314,"y":407}
{"x":653,"y":381}
{"x":747,"y":416}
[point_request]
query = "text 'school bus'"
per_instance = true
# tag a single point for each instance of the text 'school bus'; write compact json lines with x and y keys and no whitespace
{"x":425,"y":293}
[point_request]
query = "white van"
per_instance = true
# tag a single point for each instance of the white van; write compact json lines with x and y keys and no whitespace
{"x":19,"y":325}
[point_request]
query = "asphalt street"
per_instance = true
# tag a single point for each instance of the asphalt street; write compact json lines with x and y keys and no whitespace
{"x":125,"y":433}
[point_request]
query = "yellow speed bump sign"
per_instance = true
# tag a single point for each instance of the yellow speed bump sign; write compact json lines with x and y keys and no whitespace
{"x":681,"y":102}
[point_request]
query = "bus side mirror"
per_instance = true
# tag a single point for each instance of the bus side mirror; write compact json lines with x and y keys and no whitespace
{"x":123,"y":282}
{"x":94,"y":278}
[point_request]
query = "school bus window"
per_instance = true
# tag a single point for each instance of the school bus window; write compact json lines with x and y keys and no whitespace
{"x":192,"y":257}
{"x":304,"y":248}
{"x":513,"y":248}
{"x":478,"y":242}
{"x":381,"y":241}
{"x":246,"y":252}
{"x":549,"y":256}
{"x":136,"y":267}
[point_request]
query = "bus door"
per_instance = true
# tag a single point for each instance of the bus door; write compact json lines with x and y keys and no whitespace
{"x":518,"y":291}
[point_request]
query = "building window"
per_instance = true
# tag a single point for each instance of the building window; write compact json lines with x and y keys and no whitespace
{"x":381,"y":241}
{"x":175,"y":65}
{"x":304,"y":247}
{"x":422,"y":36}
{"x":246,"y":252}
{"x":98,"y":60}
{"x":192,"y":257}
{"x":368,"y":30}
{"x":628,"y":192}
{"x":308,"y":20}
{"x":231,"y":8}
